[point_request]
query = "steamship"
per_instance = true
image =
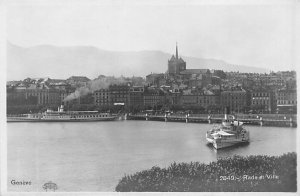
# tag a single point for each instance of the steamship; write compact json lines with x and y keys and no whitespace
{"x":229,"y":133}
{"x":63,"y":116}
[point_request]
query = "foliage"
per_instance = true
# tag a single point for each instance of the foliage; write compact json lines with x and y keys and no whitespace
{"x":200,"y":177}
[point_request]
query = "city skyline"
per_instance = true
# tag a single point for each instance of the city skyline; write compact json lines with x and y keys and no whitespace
{"x":250,"y":35}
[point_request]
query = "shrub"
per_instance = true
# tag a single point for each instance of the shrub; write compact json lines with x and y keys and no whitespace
{"x":273,"y":173}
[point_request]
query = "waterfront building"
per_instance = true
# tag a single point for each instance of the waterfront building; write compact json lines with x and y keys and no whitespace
{"x":189,"y":99}
{"x":153,"y":98}
{"x":39,"y":91}
{"x":63,"y":94}
{"x":173,"y":97}
{"x":286,"y":101}
{"x":263,"y":101}
{"x":34,"y":95}
{"x":234,"y":98}
{"x":102,"y":97}
{"x":63,"y":88}
{"x":44,"y":94}
{"x":207,"y":99}
{"x":17,"y":97}
{"x":87,"y":99}
{"x":119,"y":94}
{"x":136,"y":97}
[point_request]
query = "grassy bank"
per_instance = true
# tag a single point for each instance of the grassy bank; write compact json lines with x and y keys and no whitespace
{"x":244,"y":174}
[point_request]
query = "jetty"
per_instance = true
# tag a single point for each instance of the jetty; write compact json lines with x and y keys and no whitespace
{"x":279,"y":120}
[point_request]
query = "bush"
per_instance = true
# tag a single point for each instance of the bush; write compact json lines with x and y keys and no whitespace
{"x":273,"y":173}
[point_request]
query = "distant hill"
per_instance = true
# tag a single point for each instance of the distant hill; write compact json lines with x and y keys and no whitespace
{"x":63,"y":62}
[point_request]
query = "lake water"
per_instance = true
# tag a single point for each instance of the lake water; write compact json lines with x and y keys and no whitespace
{"x":93,"y":156}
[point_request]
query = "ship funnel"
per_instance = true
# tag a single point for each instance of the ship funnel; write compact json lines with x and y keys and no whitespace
{"x":61,"y":108}
{"x":226,"y":113}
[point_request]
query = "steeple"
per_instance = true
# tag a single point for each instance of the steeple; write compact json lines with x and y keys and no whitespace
{"x":176,"y":51}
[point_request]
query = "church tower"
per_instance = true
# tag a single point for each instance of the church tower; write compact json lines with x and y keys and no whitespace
{"x":176,"y":64}
{"x":176,"y":51}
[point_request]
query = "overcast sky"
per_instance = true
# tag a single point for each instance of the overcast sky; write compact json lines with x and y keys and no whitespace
{"x":253,"y":35}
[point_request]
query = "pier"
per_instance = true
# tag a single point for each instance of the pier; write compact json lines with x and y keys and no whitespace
{"x":278,"y":120}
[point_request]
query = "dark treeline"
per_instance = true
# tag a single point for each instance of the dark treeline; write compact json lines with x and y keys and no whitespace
{"x":200,"y":177}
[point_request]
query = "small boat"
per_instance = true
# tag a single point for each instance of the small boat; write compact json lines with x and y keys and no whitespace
{"x":62,"y":116}
{"x":229,"y":133}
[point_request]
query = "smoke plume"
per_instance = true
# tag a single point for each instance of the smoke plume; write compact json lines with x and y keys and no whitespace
{"x":101,"y":82}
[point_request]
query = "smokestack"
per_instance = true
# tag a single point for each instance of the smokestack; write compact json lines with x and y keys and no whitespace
{"x":227,"y":111}
{"x":61,"y":108}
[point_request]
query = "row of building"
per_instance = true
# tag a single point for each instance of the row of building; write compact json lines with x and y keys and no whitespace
{"x":214,"y":100}
{"x":202,"y":89}
{"x":42,"y":91}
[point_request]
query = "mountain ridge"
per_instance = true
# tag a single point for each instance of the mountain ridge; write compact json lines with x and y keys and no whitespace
{"x":91,"y":61}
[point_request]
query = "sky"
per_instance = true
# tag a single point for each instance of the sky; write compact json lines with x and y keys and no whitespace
{"x":252,"y":35}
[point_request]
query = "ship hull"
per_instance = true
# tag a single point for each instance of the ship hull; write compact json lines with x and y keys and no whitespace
{"x":225,"y":144}
{"x":228,"y":142}
{"x":61,"y":116}
{"x":60,"y":120}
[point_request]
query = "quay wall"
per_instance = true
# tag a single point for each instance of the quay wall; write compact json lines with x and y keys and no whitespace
{"x":277,"y":120}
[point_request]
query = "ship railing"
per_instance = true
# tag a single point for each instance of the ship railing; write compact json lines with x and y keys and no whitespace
{"x":17,"y":115}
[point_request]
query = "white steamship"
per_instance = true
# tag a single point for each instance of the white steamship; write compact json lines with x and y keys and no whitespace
{"x":229,"y":133}
{"x":62,"y":116}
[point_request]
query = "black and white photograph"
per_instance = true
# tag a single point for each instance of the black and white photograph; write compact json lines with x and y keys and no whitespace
{"x":110,"y":97}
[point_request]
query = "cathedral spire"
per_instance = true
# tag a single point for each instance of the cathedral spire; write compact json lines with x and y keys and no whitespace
{"x":176,"y":51}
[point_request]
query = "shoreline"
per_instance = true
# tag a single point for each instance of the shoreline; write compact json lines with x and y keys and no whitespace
{"x":273,"y":121}
{"x":283,"y":125}
{"x":269,"y":120}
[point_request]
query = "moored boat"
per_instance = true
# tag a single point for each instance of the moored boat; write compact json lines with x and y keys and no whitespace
{"x":62,"y":116}
{"x":229,"y":133}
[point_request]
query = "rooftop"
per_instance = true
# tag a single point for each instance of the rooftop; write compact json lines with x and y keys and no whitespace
{"x":195,"y":71}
